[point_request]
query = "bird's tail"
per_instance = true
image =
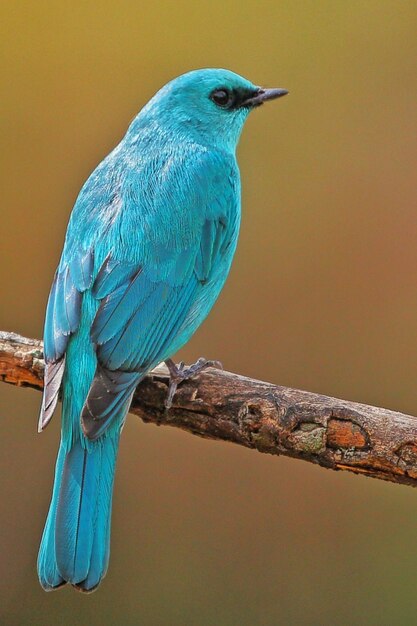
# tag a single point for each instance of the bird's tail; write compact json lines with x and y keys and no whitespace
{"x":75,"y":545}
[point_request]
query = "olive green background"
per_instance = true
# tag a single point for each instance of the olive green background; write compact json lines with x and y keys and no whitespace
{"x":322,"y":296}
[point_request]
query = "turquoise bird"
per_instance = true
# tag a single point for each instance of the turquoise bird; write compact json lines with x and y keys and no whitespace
{"x":148,"y":248}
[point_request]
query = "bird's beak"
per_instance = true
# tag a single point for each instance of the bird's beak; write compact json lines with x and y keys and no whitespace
{"x":262,"y":95}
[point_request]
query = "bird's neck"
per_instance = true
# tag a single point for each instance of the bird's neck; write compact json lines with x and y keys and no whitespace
{"x":149,"y":132}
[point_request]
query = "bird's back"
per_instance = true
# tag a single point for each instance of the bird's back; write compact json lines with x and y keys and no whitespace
{"x":161,"y":227}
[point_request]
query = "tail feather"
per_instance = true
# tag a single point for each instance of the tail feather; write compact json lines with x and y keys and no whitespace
{"x":49,"y":576}
{"x":75,"y":545}
{"x":101,"y":541}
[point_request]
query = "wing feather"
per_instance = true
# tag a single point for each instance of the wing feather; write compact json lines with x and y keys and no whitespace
{"x":62,"y":320}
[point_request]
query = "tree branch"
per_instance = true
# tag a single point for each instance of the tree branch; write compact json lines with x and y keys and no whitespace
{"x":333,"y":433}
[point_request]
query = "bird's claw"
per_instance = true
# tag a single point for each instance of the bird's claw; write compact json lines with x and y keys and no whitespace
{"x":178,"y":373}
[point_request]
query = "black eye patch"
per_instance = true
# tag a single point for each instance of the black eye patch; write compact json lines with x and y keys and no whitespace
{"x":232,"y":99}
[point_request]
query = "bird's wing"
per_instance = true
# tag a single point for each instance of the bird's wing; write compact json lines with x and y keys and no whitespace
{"x":63,"y":312}
{"x":74,"y":276}
{"x":134,"y":325}
{"x":143,"y":305}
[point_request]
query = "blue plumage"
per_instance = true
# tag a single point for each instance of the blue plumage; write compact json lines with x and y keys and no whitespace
{"x":148,"y":248}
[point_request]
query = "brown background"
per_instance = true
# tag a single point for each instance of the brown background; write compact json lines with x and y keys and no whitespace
{"x":322,"y":296}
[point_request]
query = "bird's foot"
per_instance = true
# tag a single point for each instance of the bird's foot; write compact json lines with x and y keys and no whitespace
{"x":179,"y":373}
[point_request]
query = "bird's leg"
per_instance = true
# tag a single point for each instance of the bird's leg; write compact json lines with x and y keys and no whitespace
{"x":179,"y":373}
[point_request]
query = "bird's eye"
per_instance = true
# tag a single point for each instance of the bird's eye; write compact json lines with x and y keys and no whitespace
{"x":222,"y":97}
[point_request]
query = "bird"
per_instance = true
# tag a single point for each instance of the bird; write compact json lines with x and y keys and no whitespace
{"x":148,"y":248}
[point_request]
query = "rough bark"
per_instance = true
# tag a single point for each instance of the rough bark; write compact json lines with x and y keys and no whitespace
{"x":333,"y":433}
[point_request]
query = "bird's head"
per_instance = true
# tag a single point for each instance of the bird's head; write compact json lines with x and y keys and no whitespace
{"x":209,"y":106}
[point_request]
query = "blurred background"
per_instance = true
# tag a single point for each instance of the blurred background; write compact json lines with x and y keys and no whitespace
{"x":322,"y":296}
